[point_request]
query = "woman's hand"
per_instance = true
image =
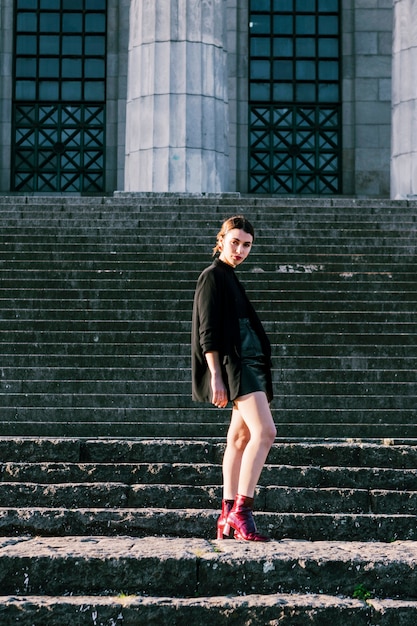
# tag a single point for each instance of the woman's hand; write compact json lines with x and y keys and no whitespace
{"x":218,"y":387}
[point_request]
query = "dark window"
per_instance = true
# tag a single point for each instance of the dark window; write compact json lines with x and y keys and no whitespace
{"x":295,"y":101}
{"x":59,"y":95}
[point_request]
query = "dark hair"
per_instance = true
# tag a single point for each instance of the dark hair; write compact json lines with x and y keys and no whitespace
{"x":237,"y":221}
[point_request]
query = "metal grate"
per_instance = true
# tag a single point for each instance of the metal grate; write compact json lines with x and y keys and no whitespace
{"x":295,"y":109}
{"x":59,"y":97}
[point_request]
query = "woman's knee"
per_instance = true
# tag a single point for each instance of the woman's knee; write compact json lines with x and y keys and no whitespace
{"x":239,"y":439}
{"x":266,"y":433}
{"x":271,"y":433}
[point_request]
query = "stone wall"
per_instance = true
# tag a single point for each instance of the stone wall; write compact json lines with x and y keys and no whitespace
{"x":370,"y":101}
{"x":237,"y":56}
{"x":117,"y":54}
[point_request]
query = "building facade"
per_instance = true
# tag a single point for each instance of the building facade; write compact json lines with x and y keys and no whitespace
{"x":276,"y":97}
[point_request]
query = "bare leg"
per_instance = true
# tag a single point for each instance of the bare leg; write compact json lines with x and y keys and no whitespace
{"x":237,"y":439}
{"x":255,"y":413}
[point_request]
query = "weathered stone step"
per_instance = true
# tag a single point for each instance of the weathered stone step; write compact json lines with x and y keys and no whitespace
{"x":359,"y":292}
{"x":211,"y":213}
{"x":132,"y":329}
{"x":95,"y":305}
{"x":312,"y":254}
{"x":302,"y":304}
{"x":84,"y":223}
{"x":80,"y":363}
{"x":287,"y":609}
{"x":189,"y":567}
{"x":124,"y":393}
{"x":316,"y":264}
{"x":344,"y":285}
{"x":71,"y":239}
{"x":390,"y":454}
{"x":99,"y":241}
{"x":91,"y":421}
{"x":76,"y":375}
{"x":138,"y":522}
{"x":77,"y":422}
{"x":403,"y":336}
{"x":25,"y":379}
{"x":264,"y":220}
{"x":170,"y":495}
{"x":306,"y":476}
{"x":100,"y":281}
{"x":175,"y":397}
{"x":63,"y":320}
{"x":169,"y":199}
{"x":393,"y":345}
{"x":283,"y":262}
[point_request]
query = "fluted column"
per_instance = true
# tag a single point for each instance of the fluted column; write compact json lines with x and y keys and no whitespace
{"x":177,"y":126}
{"x":404,"y":100}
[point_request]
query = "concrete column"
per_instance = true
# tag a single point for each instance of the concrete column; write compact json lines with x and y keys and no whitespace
{"x":404,"y":100}
{"x":177,"y":123}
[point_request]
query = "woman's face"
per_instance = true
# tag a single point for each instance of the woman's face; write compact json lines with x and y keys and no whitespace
{"x":235,"y":246}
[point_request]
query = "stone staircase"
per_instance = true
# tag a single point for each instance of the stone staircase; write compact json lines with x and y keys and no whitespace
{"x":110,"y":475}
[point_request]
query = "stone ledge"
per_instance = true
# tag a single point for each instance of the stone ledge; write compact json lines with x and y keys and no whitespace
{"x":218,"y":611}
{"x":195,"y":567}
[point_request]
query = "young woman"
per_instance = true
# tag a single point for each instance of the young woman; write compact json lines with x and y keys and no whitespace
{"x":231,"y":361}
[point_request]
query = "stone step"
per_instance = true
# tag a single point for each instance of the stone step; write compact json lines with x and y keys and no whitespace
{"x":369,"y":453}
{"x":108,"y":239}
{"x":111,"y":422}
{"x":304,"y":334}
{"x":287,"y":609}
{"x":294,"y":277}
{"x":290,"y":477}
{"x":168,"y":495}
{"x":191,"y":204}
{"x":336,"y":258}
{"x":26,"y":379}
{"x":132,"y":331}
{"x":104,"y":521}
{"x":126,"y":317}
{"x":93,"y":421}
{"x":194,"y":568}
{"x":114,"y":282}
{"x":126,"y":236}
{"x":359,"y":399}
{"x":345,"y":285}
{"x":292,"y":349}
{"x":319,"y":265}
{"x":95,"y":303}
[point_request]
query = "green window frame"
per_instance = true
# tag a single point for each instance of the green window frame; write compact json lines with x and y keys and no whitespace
{"x":59,"y":103}
{"x":295,"y":97}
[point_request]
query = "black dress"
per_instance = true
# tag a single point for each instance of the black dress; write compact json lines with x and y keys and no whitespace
{"x":253,"y":375}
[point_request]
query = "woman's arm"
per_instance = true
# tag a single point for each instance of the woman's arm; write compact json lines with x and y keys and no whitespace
{"x":218,"y":387}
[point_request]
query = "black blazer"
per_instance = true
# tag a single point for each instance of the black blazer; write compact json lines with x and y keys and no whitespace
{"x":215,"y":327}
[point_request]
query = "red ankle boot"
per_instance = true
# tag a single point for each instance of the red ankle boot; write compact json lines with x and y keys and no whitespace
{"x":223,"y":529}
{"x":241,"y":520}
